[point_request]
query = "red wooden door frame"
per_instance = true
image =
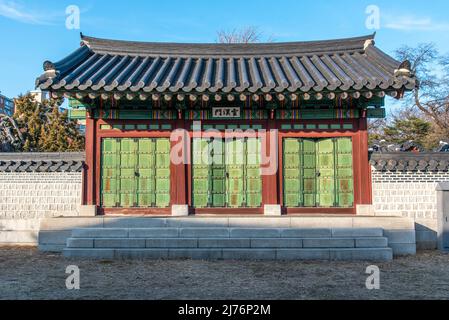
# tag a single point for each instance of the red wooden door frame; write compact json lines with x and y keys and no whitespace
{"x":181,"y":184}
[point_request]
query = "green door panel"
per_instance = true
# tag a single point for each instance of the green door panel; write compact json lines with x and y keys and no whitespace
{"x":326,"y":173}
{"x":344,"y":173}
{"x":318,"y":173}
{"x":292,"y":186}
{"x":135,"y":173}
{"x":110,"y":172}
{"x":226,"y":173}
{"x":309,"y":173}
{"x":201,"y":157}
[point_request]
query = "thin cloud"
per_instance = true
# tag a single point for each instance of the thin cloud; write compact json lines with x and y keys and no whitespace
{"x":412,"y":23}
{"x":14,"y":11}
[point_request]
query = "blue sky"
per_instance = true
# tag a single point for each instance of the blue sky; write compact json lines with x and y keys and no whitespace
{"x":34,"y":31}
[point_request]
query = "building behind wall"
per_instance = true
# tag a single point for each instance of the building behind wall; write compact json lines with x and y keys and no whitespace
{"x":6,"y":105}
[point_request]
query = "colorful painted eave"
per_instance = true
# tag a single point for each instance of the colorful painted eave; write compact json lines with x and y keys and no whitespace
{"x":297,"y":70}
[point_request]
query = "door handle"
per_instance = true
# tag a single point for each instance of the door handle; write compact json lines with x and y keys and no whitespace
{"x":137,"y":174}
{"x":318,"y":174}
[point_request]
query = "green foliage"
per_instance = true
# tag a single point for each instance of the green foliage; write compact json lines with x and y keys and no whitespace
{"x":45,"y":128}
{"x":404,"y":127}
{"x":409,"y":129}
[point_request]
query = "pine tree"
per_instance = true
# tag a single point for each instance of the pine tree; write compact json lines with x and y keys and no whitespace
{"x":45,"y":128}
{"x":409,"y":129}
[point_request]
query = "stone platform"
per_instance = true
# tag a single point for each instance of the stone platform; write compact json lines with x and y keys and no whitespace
{"x":301,"y":238}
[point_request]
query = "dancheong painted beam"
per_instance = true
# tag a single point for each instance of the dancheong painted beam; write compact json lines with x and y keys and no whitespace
{"x":188,"y":128}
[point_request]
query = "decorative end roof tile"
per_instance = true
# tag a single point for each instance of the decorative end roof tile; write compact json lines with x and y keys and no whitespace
{"x":41,"y":162}
{"x":401,"y":161}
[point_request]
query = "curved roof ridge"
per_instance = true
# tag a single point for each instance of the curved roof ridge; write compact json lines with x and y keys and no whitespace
{"x":109,"y":46}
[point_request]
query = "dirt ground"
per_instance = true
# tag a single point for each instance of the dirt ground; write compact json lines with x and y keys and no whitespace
{"x":26,"y":274}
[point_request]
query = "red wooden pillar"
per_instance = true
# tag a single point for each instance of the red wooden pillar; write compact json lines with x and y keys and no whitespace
{"x":365,"y":196}
{"x":179,"y":170}
{"x":90,"y":176}
{"x":270,"y":182}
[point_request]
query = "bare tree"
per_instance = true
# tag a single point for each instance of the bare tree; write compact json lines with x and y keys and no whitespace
{"x":249,"y":34}
{"x":10,"y":135}
{"x":431,"y":97}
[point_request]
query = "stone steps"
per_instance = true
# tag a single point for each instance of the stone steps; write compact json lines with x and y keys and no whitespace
{"x":210,"y":243}
{"x":225,"y":232}
{"x":229,"y":243}
{"x":343,"y":254}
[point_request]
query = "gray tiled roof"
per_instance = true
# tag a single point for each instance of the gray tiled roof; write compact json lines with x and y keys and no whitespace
{"x":101,"y":65}
{"x":41,"y":162}
{"x":402,"y":161}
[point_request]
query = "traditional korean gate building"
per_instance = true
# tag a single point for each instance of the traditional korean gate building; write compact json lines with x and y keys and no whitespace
{"x":306,"y":104}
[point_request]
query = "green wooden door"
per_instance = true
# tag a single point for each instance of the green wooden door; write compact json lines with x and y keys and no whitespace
{"x":235,"y":168}
{"x":253,"y":173}
{"x":226,"y":174}
{"x":110,"y":169}
{"x":318,"y":173}
{"x":218,"y":174}
{"x":201,"y":177}
{"x":127,"y":174}
{"x":325,"y":173}
{"x":308,"y":173}
{"x":345,"y":181}
{"x":135,"y":173}
{"x":293,"y":185}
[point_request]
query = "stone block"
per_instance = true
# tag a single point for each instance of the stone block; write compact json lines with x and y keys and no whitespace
{"x":320,"y":222}
{"x":357,"y":232}
{"x":52,"y":224}
{"x":426,"y":245}
{"x":52,"y":247}
{"x":197,"y":222}
{"x":259,"y":222}
{"x":135,"y":222}
{"x":196,"y":254}
{"x":426,"y":225}
{"x":19,"y":224}
{"x":54,"y":237}
{"x":100,"y":233}
{"x":154,"y":233}
{"x":403,"y":249}
{"x":80,"y":243}
{"x":422,"y":236}
{"x":442,"y":190}
{"x":119,"y":243}
{"x":204,"y":233}
{"x":88,"y":253}
{"x":390,"y":223}
{"x":141,"y":254}
{"x":19,"y":237}
{"x":400,"y":236}
{"x":180,"y":210}
{"x":249,"y":254}
{"x":272,"y":210}
{"x":255,"y":233}
{"x":224,"y":243}
{"x":88,"y":211}
{"x":276,"y":243}
{"x":378,"y":242}
{"x":368,"y":254}
{"x":302,"y":254}
{"x":172,"y":243}
{"x":328,"y":243}
{"x":306,"y":233}
{"x":365,"y":210}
